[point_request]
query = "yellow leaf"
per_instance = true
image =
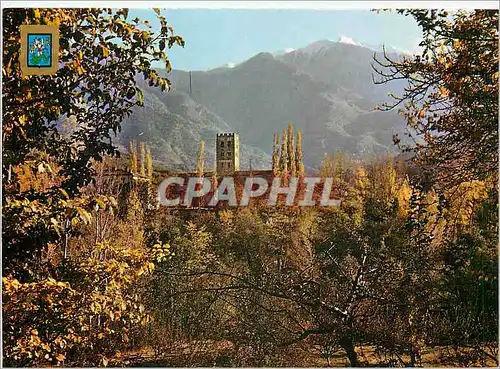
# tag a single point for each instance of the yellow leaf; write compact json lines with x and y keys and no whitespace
{"x":84,"y":215}
{"x":105,"y":51}
{"x":443,"y":91}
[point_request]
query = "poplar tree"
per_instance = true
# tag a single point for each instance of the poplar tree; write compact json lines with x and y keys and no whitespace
{"x":291,"y":151}
{"x":149,"y":163}
{"x":201,"y":160}
{"x":133,"y":156}
{"x":142,"y":148}
{"x":284,"y":154}
{"x":276,"y":153}
{"x":299,"y":155}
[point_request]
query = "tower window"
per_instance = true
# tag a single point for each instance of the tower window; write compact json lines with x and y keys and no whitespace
{"x":222,"y":144}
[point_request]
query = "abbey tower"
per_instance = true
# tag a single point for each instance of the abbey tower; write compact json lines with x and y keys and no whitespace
{"x":227,"y":153}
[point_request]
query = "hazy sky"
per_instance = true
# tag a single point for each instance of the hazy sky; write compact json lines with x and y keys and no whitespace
{"x":216,"y":37}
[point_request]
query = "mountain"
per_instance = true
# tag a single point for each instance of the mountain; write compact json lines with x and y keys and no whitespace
{"x":173,"y":126}
{"x":325,"y":89}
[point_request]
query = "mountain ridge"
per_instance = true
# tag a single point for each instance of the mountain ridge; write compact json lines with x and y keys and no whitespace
{"x":325,"y":89}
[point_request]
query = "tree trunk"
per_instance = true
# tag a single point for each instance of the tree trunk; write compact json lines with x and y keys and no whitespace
{"x":348,"y":346}
{"x":413,"y":360}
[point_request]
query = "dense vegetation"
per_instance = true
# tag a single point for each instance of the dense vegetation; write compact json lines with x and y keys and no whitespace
{"x":93,"y":271}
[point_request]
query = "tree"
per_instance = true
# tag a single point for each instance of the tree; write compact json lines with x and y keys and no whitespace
{"x":299,"y":155}
{"x":132,"y":150}
{"x":214,"y":179}
{"x":149,"y":163}
{"x":451,"y":107}
{"x":451,"y":99}
{"x":276,"y":153}
{"x":327,"y":168}
{"x":87,"y":88}
{"x":142,"y":148}
{"x":292,"y":164}
{"x":52,"y":322}
{"x":68,"y":310}
{"x":200,"y":164}
{"x":284,"y":154}
{"x":101,"y":54}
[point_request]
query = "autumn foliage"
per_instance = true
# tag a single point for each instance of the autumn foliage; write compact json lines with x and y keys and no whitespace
{"x":96,"y":274}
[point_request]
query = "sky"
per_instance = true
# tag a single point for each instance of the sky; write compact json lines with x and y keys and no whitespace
{"x":218,"y":37}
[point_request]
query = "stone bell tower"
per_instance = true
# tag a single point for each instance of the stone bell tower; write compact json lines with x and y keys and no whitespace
{"x":227,"y":153}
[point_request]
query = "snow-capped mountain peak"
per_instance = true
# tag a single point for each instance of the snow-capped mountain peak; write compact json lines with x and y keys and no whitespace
{"x":348,"y":40}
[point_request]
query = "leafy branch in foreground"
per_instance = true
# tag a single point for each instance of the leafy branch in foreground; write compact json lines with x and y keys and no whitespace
{"x":101,"y":53}
{"x":451,"y":100}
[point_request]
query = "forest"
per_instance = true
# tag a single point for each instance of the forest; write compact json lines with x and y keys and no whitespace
{"x":403,"y":273}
